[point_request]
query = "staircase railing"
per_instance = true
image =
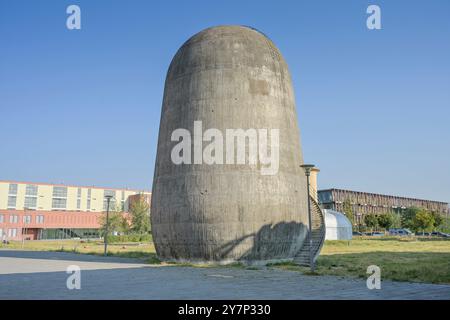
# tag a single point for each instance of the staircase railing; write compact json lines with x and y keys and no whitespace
{"x":318,"y":217}
{"x":317,"y":235}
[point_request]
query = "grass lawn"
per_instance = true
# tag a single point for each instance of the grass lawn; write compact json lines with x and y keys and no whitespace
{"x":401,"y":259}
{"x":145,"y":251}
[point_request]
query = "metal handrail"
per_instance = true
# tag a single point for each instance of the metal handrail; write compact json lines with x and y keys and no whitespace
{"x":318,"y":211}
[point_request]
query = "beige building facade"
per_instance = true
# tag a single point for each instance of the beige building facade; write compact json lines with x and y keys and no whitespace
{"x":57,"y":197}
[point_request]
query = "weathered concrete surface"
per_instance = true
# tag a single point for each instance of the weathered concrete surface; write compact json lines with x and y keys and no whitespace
{"x":42,"y":275}
{"x":229,"y":77}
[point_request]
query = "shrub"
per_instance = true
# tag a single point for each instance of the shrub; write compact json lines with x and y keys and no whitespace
{"x":386,"y":220}
{"x":146,"y":237}
{"x":371,"y":221}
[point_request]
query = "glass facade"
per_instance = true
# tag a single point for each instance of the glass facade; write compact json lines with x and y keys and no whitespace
{"x":325,"y":196}
{"x":69,"y":234}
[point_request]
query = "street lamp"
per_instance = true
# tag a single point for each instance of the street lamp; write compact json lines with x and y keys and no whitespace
{"x":308,"y":168}
{"x":108,"y":199}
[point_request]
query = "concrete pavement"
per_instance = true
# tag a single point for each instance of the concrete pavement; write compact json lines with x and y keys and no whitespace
{"x":42,"y":275}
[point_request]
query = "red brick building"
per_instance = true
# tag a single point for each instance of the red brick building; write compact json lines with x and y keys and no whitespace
{"x":34,"y":225}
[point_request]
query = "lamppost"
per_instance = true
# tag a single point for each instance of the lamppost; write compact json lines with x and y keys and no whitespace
{"x":307,"y":168}
{"x":108,"y":199}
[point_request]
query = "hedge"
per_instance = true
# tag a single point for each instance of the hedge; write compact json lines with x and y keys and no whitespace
{"x":130,"y":238}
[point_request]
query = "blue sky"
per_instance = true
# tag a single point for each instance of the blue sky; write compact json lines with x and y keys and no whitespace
{"x":83,"y":106}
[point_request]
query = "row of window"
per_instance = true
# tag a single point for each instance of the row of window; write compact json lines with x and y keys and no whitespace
{"x":59,"y":199}
{"x":14,"y":218}
{"x":12,"y":233}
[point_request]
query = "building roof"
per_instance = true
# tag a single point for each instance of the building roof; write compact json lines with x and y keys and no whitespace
{"x":336,"y":219}
{"x":73,"y":186}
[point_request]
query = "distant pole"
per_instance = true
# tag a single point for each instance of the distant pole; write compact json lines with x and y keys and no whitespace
{"x":108,"y":199}
{"x":23,"y":226}
{"x":307,"y":168}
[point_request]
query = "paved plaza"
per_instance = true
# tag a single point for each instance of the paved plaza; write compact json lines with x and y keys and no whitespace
{"x":42,"y":275}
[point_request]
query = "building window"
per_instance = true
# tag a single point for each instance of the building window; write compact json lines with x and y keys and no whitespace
{"x":79,"y":199}
{"x":1,"y":218}
{"x":12,"y":233}
{"x":31,"y":190}
{"x":59,"y":192}
{"x":59,"y":203}
{"x":31,"y":193}
{"x":30,"y":202}
{"x":12,"y":202}
{"x":88,"y":205}
{"x":112,"y":203}
{"x":26,"y":219}
{"x":39,"y":219}
{"x":13,"y":218}
{"x":59,"y":200}
{"x":12,"y":188}
{"x":123,"y":201}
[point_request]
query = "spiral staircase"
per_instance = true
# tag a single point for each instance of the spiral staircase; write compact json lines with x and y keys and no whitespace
{"x":317,"y":234}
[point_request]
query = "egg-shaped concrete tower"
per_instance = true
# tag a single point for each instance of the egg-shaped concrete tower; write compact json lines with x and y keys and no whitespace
{"x":228,"y":77}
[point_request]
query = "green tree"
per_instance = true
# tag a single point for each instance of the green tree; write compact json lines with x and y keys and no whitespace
{"x":386,"y":220}
{"x":140,"y":216}
{"x":371,"y":221}
{"x":438,"y":219}
{"x":445,"y":226}
{"x":396,"y":220}
{"x":117,"y":221}
{"x":407,"y":217}
{"x":423,"y":221}
{"x":348,"y":210}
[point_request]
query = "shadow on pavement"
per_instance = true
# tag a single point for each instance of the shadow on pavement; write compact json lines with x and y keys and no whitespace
{"x":55,"y":255}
